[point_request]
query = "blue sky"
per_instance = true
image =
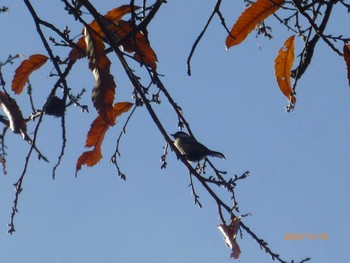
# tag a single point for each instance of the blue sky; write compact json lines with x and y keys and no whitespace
{"x":299,"y":162}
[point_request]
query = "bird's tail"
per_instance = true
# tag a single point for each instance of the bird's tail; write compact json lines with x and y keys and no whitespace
{"x":217,"y":154}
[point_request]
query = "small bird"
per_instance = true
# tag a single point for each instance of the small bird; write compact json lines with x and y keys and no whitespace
{"x":191,"y":149}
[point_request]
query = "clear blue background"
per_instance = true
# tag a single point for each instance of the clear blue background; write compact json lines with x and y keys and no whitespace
{"x":299,"y":162}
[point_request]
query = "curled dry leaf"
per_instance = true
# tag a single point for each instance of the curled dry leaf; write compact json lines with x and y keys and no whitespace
{"x":89,"y":158}
{"x":283,"y":65}
{"x":96,"y":135}
{"x":230,"y":234}
{"x":250,"y":18}
{"x":137,"y":44}
{"x":111,"y":18}
{"x":104,"y":90}
{"x":79,"y":51}
{"x":346,"y":55}
{"x":24,"y":70}
{"x":16,"y":121}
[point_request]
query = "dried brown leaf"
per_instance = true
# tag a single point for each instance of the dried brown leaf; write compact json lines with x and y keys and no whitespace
{"x":112,"y":17}
{"x":89,"y":158}
{"x":96,"y":134}
{"x":230,"y":233}
{"x":16,"y":121}
{"x":250,"y":18}
{"x":79,"y":51}
{"x":104,"y":90}
{"x":283,"y":65}
{"x":137,"y":44}
{"x":26,"y":68}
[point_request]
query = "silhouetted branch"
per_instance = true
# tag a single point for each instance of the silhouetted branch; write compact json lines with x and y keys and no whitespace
{"x":310,"y":45}
{"x":117,"y":152}
{"x":55,"y":61}
{"x":208,"y":176}
{"x":195,"y":44}
{"x":113,"y":41}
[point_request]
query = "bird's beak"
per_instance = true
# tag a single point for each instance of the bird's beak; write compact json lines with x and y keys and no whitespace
{"x":172,"y":135}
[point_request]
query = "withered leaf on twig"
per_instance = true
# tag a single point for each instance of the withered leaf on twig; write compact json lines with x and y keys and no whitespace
{"x":96,"y":135}
{"x":230,"y":234}
{"x":250,"y":18}
{"x":24,"y":70}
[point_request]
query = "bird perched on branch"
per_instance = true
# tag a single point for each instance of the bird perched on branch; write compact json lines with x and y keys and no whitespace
{"x":191,"y":149}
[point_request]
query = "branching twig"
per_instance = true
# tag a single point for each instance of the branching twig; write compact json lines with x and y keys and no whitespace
{"x":143,"y":96}
{"x":140,"y":91}
{"x":63,"y":147}
{"x":18,"y":184}
{"x":117,"y":152}
{"x":194,"y":46}
{"x":310,"y":45}
{"x":193,"y":191}
{"x":163,"y":157}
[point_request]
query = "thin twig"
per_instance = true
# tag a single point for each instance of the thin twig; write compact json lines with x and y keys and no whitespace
{"x":18,"y":184}
{"x":140,"y":90}
{"x":194,"y":46}
{"x":117,"y":152}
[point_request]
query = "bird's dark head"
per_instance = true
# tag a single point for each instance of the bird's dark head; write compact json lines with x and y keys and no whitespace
{"x":180,"y":134}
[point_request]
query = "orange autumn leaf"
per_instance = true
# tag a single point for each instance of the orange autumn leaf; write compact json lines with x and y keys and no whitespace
{"x":283,"y":65}
{"x":113,"y":17}
{"x":250,"y":18}
{"x":96,"y":135}
{"x":104,"y":89}
{"x":99,"y":127}
{"x":79,"y":51}
{"x":26,"y":68}
{"x":230,"y":233}
{"x":89,"y":158}
{"x":13,"y":113}
{"x":346,"y":52}
{"x":137,"y":44}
